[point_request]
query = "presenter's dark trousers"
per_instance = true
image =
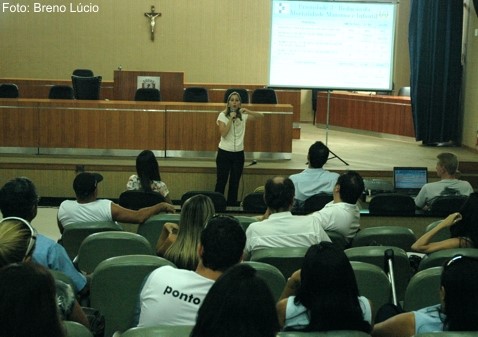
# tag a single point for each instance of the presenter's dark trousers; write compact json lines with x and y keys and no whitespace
{"x":229,"y":165}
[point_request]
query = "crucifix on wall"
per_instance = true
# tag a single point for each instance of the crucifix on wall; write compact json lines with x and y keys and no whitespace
{"x":152,"y":20}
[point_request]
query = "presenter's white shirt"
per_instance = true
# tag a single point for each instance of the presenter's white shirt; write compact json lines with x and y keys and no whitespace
{"x":284,"y":230}
{"x":437,"y":188}
{"x":234,"y":140}
{"x":172,"y":296}
{"x":70,"y":211}
{"x":340,"y":217}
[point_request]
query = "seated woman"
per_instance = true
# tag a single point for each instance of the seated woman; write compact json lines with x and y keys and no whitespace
{"x":28,"y":303}
{"x":323,"y":295}
{"x":463,"y":229}
{"x":17,"y":240}
{"x":148,"y":177}
{"x":178,"y":243}
{"x":239,"y":304}
{"x":457,"y":312}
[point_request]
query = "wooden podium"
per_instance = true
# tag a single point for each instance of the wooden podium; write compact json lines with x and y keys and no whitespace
{"x":171,"y":84}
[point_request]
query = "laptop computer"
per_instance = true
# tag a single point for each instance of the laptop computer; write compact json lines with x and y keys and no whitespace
{"x":409,"y":180}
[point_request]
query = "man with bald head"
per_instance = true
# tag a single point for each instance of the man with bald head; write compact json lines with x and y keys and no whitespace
{"x":281,"y":228}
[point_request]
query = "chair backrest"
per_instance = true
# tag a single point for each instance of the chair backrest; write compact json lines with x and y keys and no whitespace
{"x":423,"y":289}
{"x":74,"y":234}
{"x":136,"y":199}
{"x":100,"y":246}
{"x":195,"y":94}
{"x":59,"y":275}
{"x":75,"y":329}
{"x":437,"y":259}
{"x":376,"y":255}
{"x":8,"y":90}
{"x":151,"y":228}
{"x":286,"y":259}
{"x":333,"y":333}
{"x":61,"y":92}
{"x":372,"y":283}
{"x":447,"y":334}
{"x":442,"y":234}
{"x":392,"y":204}
{"x":445,"y":205}
{"x":147,"y":94}
{"x":317,"y":202}
{"x":245,"y":221}
{"x":254,"y":203}
{"x":115,"y":287}
{"x":264,"y":96}
{"x":338,"y":240}
{"x":271,"y":275}
{"x":159,"y":331}
{"x":404,"y":91}
{"x":241,"y":91}
{"x":396,"y":236}
{"x":83,"y":72}
{"x":217,"y":198}
{"x":86,"y":87}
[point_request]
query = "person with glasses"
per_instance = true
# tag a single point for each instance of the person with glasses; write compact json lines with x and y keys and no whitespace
{"x":19,"y":198}
{"x":456,"y":312}
{"x":17,"y":242}
{"x":463,"y":227}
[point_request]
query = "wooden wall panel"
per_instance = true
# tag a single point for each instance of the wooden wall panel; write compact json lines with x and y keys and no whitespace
{"x":18,"y":123}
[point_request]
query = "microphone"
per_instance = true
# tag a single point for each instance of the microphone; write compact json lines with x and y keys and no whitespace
{"x":233,"y":110}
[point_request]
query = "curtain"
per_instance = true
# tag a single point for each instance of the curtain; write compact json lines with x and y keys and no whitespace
{"x":435,"y":34}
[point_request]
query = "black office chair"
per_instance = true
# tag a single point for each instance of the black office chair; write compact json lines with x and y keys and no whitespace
{"x":195,"y":94}
{"x":86,"y":87}
{"x":392,"y":204}
{"x":404,"y":91}
{"x":317,"y":202}
{"x":444,"y":205}
{"x":147,"y":94}
{"x":242,"y":92}
{"x":8,"y":90}
{"x":264,"y":96}
{"x":136,"y":199}
{"x":217,"y":198}
{"x":83,"y":72}
{"x":61,"y":92}
{"x":254,"y":203}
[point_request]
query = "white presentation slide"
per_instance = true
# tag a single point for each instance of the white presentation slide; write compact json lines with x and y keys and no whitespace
{"x":332,"y":45}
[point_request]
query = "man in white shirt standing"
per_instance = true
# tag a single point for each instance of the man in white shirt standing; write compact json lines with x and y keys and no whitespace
{"x":342,"y":215}
{"x":314,"y":179}
{"x":281,"y":228}
{"x":173,"y":296}
{"x":449,"y":184}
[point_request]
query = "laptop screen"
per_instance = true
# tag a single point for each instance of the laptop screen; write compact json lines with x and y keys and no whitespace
{"x":409,"y":179}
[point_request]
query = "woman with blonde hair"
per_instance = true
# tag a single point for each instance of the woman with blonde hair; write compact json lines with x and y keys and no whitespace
{"x":178,"y":243}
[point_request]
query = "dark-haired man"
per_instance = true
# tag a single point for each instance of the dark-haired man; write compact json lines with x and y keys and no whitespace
{"x":281,"y":228}
{"x":314,"y":179}
{"x":173,"y":296}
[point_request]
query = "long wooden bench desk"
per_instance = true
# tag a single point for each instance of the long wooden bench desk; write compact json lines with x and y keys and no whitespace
{"x":103,"y":127}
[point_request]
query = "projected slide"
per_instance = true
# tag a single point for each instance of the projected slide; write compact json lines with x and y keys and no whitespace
{"x":332,"y":45}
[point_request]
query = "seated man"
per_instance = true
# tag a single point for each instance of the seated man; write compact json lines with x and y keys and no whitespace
{"x":173,"y":296}
{"x":314,"y":179}
{"x":87,"y":207}
{"x":342,"y":215}
{"x":281,"y":228}
{"x":446,"y":168}
{"x":18,"y":198}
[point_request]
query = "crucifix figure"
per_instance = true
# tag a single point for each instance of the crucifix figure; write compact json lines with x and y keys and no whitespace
{"x":152,"y":20}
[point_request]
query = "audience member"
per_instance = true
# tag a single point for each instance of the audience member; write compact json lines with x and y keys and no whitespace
{"x":342,"y":215}
{"x":230,"y":153}
{"x":18,"y":198}
{"x":314,"y":179}
{"x":17,"y":241}
{"x":27,"y":302}
{"x":281,"y":228}
{"x":463,"y":229}
{"x":178,"y":243}
{"x":87,"y":207}
{"x":323,"y":295}
{"x":173,"y":296}
{"x":147,"y":177}
{"x":447,"y":170}
{"x":457,"y":311}
{"x":239,"y":304}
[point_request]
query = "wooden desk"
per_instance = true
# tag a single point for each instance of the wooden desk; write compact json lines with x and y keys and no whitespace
{"x":384,"y":114}
{"x":124,"y":127}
